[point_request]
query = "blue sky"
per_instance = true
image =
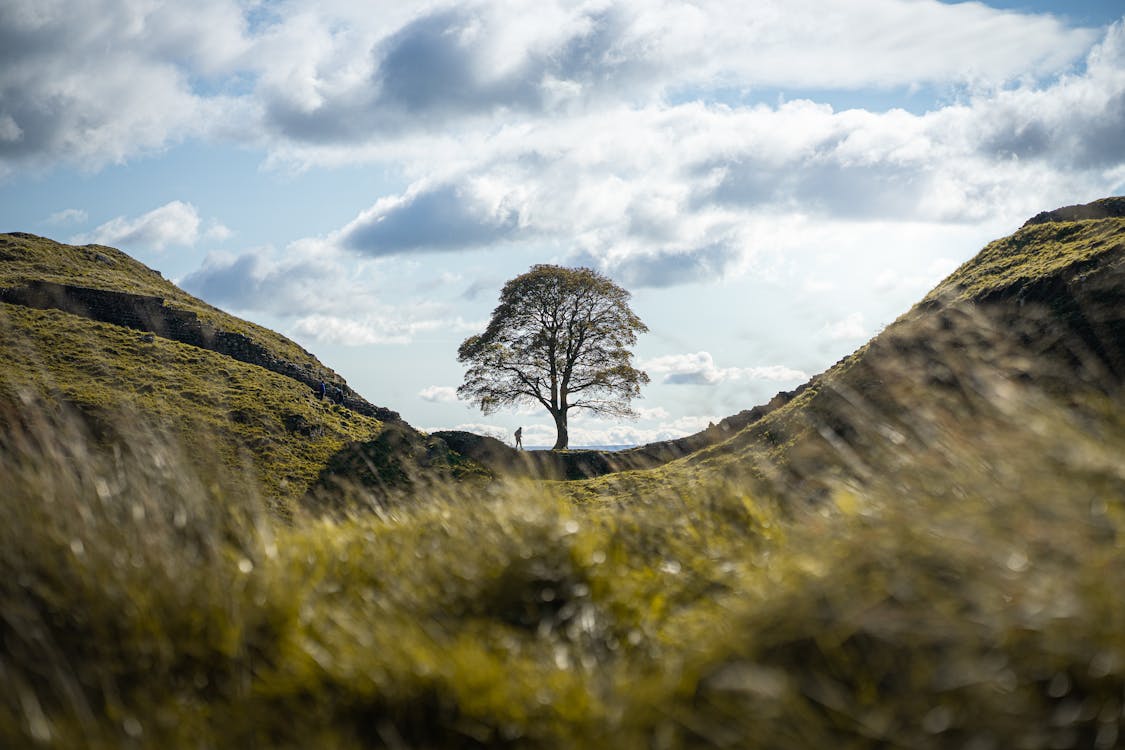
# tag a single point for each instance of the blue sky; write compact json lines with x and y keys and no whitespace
{"x":773,"y":181}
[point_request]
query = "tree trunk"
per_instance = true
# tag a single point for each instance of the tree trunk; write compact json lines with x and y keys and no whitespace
{"x":560,"y":424}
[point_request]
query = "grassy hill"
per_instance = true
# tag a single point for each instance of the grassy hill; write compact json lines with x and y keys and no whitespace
{"x":921,"y":549}
{"x":27,"y":258}
{"x":1044,"y":307}
{"x":232,"y":413}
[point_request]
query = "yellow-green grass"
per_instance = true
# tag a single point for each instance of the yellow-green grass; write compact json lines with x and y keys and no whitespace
{"x":923,"y":550}
{"x":1034,"y":252}
{"x":26,"y":258}
{"x":968,"y":594}
{"x":254,"y":420}
{"x":935,"y":356}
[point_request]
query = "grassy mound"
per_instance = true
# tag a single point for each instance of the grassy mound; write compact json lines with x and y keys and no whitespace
{"x":924,"y":548}
{"x":254,"y":420}
{"x":1045,"y":305}
{"x":26,"y":258}
{"x":966,"y":595}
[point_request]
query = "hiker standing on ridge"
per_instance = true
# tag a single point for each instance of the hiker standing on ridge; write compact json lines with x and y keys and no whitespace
{"x":519,"y":438}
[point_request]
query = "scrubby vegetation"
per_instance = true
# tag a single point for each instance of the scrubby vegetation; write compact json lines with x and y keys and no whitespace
{"x":923,"y":549}
{"x":213,"y":405}
{"x":969,"y":595}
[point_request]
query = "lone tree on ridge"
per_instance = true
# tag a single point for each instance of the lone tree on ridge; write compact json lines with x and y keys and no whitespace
{"x":559,"y":337}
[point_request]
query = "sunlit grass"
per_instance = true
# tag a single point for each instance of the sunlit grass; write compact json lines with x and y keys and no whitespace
{"x":968,"y":594}
{"x":923,"y":549}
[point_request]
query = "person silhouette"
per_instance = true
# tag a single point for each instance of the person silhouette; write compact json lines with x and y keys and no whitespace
{"x":519,"y":437}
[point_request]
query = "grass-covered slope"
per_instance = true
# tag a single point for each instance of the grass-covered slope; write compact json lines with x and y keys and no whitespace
{"x":1036,"y":253}
{"x":27,"y":258}
{"x":1045,"y":305}
{"x":254,"y":420}
{"x":968,"y":597}
{"x":112,"y":377}
{"x":955,"y":582}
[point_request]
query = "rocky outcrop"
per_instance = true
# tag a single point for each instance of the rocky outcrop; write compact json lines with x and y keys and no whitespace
{"x":395,"y":465}
{"x":585,"y":464}
{"x":151,"y":314}
{"x":1106,"y":208}
{"x":504,"y":461}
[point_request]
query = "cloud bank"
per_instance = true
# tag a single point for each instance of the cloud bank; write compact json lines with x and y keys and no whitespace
{"x":657,"y":140}
{"x":175,"y":223}
{"x":699,"y":369}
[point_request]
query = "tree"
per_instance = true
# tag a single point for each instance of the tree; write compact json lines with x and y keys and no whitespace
{"x":560,"y":337}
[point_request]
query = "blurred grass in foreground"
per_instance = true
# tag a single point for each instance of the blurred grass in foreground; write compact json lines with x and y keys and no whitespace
{"x":960,"y":588}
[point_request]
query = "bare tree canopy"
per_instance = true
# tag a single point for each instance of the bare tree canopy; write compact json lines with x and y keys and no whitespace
{"x":560,"y":337}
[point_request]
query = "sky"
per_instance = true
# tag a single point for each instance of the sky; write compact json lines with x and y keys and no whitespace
{"x":773,"y":181}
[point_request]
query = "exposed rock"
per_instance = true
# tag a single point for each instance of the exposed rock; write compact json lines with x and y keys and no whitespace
{"x":1106,"y":208}
{"x":148,"y":313}
{"x":394,"y":464}
{"x":298,"y":425}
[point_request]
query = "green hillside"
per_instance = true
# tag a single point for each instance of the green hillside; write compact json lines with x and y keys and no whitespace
{"x":1044,"y":306}
{"x":115,"y":377}
{"x":26,"y":258}
{"x":923,"y":548}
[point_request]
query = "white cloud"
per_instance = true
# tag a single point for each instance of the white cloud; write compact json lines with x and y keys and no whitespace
{"x":585,"y":430}
{"x":699,"y":369}
{"x":218,"y":232}
{"x":68,"y":216}
{"x":433,"y":63}
{"x":915,"y":283}
{"x":488,"y":430}
{"x":846,"y":329}
{"x":652,"y":425}
{"x":388,"y":328}
{"x":658,"y":194}
{"x":175,"y":223}
{"x":321,"y":295}
{"x":651,"y":413}
{"x":99,"y":81}
{"x":652,"y":138}
{"x":439,"y":394}
{"x":431,"y":218}
{"x":290,"y":284}
{"x":95,"y":82}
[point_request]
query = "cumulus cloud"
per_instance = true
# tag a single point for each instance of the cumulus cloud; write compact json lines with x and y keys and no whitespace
{"x":175,"y":223}
{"x":921,"y":280}
{"x":699,"y":369}
{"x":586,"y":430}
{"x":592,"y":431}
{"x":609,"y":127}
{"x":439,"y":394}
{"x":68,"y":216}
{"x":391,"y":326}
{"x":429,"y":64}
{"x":320,"y":295}
{"x":847,"y":328}
{"x":292,"y":283}
{"x":440,"y":218}
{"x":658,"y":194}
{"x":94,"y":82}
{"x":218,"y":232}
